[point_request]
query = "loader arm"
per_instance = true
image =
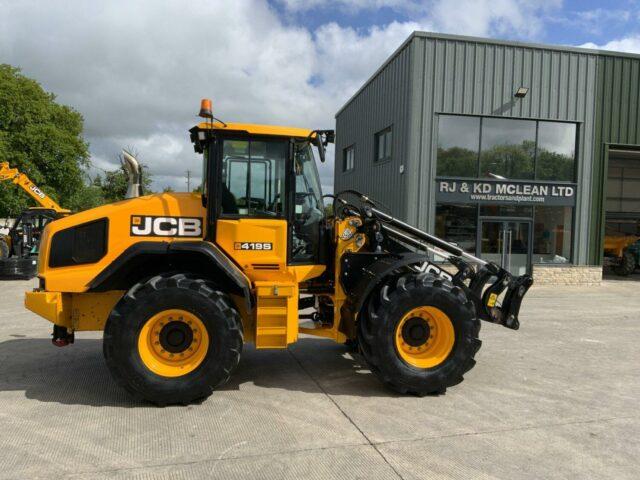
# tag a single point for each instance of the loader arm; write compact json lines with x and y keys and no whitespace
{"x":496,"y":293}
{"x":15,"y":176}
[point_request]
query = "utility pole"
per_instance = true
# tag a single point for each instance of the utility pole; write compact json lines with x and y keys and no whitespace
{"x":188,"y":180}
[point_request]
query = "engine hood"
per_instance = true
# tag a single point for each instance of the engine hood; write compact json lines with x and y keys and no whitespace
{"x":165,"y":217}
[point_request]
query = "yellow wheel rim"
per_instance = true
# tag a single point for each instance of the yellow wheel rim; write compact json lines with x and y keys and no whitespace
{"x":424,"y":337}
{"x":173,"y":343}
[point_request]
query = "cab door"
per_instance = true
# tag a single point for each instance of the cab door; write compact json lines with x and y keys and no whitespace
{"x":252,"y":221}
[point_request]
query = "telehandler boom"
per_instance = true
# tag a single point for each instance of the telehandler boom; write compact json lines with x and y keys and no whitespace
{"x":179,"y":282}
{"x":15,"y":176}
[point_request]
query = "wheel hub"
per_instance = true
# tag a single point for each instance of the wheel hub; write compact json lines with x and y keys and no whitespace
{"x":176,"y":336}
{"x":415,"y":331}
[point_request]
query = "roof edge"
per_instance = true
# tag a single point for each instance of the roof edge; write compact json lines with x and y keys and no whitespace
{"x":489,"y":41}
{"x":396,"y":52}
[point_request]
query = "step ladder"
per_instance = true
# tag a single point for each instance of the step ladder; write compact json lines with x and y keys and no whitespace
{"x":276,"y":314}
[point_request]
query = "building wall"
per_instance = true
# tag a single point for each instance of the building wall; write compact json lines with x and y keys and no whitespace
{"x":617,"y":122}
{"x":480,"y":77}
{"x":432,"y":73}
{"x":382,"y":102}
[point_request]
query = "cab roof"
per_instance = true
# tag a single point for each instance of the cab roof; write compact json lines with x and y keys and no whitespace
{"x":253,"y":129}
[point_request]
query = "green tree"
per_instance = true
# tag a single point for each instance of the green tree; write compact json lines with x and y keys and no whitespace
{"x":90,"y":196}
{"x":41,"y":138}
{"x":457,"y":162}
{"x":555,"y":166}
{"x":510,"y":161}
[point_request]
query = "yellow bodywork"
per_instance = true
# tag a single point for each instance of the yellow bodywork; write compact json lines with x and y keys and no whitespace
{"x":75,"y":311}
{"x":76,"y":278}
{"x":253,"y":129}
{"x":345,"y":242}
{"x":275,"y":284}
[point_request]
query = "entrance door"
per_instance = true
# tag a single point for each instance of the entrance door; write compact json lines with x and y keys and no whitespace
{"x":507,"y":243}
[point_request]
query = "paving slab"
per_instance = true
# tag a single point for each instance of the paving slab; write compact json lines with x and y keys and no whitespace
{"x":556,"y":399}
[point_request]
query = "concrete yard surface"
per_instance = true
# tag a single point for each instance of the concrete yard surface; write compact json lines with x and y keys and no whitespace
{"x":556,"y":399}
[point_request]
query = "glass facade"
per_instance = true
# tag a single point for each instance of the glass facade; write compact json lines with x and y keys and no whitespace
{"x":503,"y":149}
{"x":508,"y":148}
{"x":458,"y":146}
{"x":552,"y":234}
{"x":458,"y":224}
{"x":556,"y":151}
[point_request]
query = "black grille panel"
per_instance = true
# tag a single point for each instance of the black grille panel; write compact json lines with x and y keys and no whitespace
{"x":82,"y":244}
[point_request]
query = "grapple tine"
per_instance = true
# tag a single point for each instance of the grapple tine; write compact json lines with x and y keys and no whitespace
{"x":510,"y":307}
{"x":486,"y":292}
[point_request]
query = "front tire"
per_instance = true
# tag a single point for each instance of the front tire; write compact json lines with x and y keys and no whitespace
{"x":419,"y":334}
{"x":173,"y":339}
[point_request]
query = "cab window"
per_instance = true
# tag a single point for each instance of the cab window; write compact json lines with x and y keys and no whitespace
{"x":253,"y":175}
{"x":309,"y":211}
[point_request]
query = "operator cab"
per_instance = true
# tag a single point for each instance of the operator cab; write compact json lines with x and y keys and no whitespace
{"x":260,"y":172}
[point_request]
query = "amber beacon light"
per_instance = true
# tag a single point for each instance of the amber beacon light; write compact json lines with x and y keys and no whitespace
{"x":206,"y":108}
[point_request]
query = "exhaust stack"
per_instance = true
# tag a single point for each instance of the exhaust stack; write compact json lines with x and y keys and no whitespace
{"x":132,"y":169}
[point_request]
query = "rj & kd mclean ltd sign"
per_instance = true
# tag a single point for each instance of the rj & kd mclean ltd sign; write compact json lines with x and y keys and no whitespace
{"x":505,"y":191}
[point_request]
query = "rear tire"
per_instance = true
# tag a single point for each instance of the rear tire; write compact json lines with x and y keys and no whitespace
{"x":419,"y":334}
{"x":626,"y":266}
{"x":173,"y":339}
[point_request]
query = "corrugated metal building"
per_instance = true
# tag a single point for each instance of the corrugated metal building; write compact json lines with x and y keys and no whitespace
{"x":501,"y":147}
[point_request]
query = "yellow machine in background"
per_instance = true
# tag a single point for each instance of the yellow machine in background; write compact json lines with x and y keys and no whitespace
{"x":179,"y":282}
{"x":24,"y":235}
{"x":622,"y":253}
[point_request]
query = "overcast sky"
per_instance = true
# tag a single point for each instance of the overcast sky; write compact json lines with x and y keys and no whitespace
{"x":137,"y":70}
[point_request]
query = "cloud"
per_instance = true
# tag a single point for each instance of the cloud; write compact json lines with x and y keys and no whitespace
{"x":596,"y":22}
{"x":515,"y":18}
{"x":629,"y":44}
{"x":351,"y":6}
{"x":136,"y":70}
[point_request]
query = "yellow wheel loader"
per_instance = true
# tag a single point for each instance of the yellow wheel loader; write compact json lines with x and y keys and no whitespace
{"x":180,"y":281}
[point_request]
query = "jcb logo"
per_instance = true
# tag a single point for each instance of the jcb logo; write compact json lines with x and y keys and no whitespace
{"x":148,"y":226}
{"x":431,"y":268}
{"x":37,"y":191}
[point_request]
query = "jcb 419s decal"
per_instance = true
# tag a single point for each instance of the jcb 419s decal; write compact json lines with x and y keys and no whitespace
{"x":253,"y":246}
{"x":150,"y":226}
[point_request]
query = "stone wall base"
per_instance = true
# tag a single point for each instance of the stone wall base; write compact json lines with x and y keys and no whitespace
{"x":566,"y":275}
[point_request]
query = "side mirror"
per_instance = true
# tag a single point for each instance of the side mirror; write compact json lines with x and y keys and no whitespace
{"x":321,"y":151}
{"x":323,"y":138}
